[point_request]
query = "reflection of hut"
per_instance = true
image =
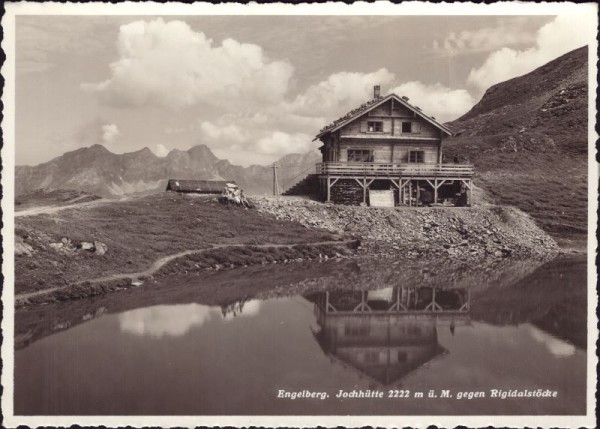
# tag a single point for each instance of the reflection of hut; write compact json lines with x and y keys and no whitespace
{"x":424,"y":299}
{"x":388,"y":333}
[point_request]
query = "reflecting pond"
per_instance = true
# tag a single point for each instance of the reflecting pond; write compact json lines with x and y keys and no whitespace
{"x":258,"y":342}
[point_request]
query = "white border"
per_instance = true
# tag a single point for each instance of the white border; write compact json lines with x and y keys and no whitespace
{"x":361,"y":8}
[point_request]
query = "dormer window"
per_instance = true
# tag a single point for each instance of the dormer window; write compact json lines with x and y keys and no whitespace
{"x":375,"y":126}
{"x":406,"y":127}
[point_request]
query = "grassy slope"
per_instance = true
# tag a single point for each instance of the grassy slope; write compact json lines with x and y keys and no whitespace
{"x":528,"y":140}
{"x":137,"y":233}
{"x":56,"y":197}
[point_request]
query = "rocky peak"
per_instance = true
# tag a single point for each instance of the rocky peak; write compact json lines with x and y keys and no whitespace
{"x":560,"y":72}
{"x":202,"y":152}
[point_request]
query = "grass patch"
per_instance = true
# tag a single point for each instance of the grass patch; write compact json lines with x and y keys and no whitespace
{"x":142,"y":230}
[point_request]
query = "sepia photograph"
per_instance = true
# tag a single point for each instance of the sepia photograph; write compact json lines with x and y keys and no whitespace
{"x":299,"y":215}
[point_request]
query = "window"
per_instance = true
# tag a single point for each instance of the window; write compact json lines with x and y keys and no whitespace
{"x":414,"y":331}
{"x":356,"y":330}
{"x":406,"y":127}
{"x":416,"y":156}
{"x":372,"y":356}
{"x":375,"y":126}
{"x":360,"y":155}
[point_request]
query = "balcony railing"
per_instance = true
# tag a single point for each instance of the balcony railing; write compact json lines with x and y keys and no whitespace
{"x":405,"y":169}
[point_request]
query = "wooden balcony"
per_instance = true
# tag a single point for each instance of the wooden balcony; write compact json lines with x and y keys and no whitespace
{"x":371,"y":169}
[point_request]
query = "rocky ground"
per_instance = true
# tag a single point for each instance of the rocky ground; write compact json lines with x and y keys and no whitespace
{"x":477,"y":232}
{"x":76,"y":253}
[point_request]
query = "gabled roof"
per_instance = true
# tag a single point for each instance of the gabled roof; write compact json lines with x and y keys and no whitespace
{"x":372,"y":104}
{"x":197,"y":186}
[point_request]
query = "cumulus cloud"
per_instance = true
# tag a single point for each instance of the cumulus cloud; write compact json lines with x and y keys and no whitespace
{"x":278,"y":129}
{"x":161,"y":150}
{"x":279,"y":143}
{"x":509,"y":32}
{"x":109,"y":133}
{"x":170,"y":65}
{"x":561,"y":35}
{"x":437,"y":100}
{"x":230,"y":133}
{"x":339,"y":92}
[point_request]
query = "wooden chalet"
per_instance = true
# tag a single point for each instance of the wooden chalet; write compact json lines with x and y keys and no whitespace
{"x":188,"y":186}
{"x":388,"y":152}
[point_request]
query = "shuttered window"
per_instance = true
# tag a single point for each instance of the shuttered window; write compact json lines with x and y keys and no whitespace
{"x":360,"y":155}
{"x":406,"y":127}
{"x":375,"y":126}
{"x":416,"y":156}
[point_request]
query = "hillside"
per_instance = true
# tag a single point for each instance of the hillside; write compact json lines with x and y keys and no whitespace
{"x":528,"y":140}
{"x":86,"y":250}
{"x":98,"y":171}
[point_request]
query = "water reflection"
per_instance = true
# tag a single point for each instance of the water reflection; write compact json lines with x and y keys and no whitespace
{"x":556,"y":346}
{"x":231,"y":353}
{"x":249,"y":286}
{"x":176,"y":321}
{"x":388,"y":333}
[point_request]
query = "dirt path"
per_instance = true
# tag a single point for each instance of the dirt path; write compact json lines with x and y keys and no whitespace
{"x":54,"y":209}
{"x":161,"y":262}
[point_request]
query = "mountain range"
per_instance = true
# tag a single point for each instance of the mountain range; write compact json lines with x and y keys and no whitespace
{"x":527,"y":138}
{"x":98,"y":171}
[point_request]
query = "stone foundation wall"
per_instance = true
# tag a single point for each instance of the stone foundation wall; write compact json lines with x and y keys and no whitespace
{"x":347,"y":192}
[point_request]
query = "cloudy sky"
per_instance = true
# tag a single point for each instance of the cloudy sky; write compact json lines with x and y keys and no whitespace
{"x":254,"y":88}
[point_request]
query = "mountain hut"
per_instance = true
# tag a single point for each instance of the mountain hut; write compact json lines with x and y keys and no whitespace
{"x":388,"y":152}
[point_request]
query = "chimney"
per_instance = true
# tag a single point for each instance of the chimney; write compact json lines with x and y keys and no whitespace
{"x":376,"y":92}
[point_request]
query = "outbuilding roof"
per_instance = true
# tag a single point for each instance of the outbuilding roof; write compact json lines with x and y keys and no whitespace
{"x":372,"y":104}
{"x":198,"y":186}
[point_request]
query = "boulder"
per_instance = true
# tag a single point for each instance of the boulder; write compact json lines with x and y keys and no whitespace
{"x":84,"y":245}
{"x":22,"y":248}
{"x":100,"y":247}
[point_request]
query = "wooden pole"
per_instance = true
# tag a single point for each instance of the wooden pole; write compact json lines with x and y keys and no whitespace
{"x":470,"y":193}
{"x":275,"y":181}
{"x":435,"y":192}
{"x":328,"y":189}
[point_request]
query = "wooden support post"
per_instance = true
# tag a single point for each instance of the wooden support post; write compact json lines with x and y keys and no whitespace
{"x":470,"y":194}
{"x":418,"y":194}
{"x":328,"y":189}
{"x":468,"y":299}
{"x":435,"y":193}
{"x":275,"y":180}
{"x":364,"y":191}
{"x":410,"y":193}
